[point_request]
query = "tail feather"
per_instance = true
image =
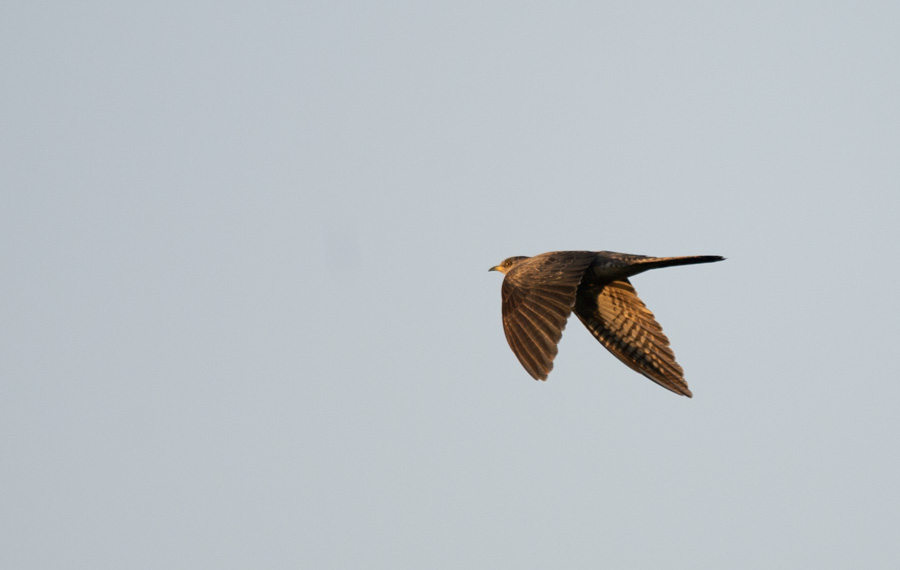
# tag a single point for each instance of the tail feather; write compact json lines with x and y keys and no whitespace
{"x":609,"y":266}
{"x":657,"y":262}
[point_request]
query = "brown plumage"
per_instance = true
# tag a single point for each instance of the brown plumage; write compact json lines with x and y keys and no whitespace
{"x":540,"y":292}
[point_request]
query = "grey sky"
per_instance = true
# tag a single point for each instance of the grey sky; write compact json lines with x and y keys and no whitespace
{"x":246,"y":318}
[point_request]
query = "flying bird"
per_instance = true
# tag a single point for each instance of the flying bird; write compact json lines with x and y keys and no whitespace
{"x":540,"y":292}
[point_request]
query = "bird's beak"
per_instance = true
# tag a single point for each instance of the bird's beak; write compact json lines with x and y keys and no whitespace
{"x":494,"y":268}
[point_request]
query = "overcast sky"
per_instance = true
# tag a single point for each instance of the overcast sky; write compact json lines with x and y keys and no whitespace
{"x":246,"y":319}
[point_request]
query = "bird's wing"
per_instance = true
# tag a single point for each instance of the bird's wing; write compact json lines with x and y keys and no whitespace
{"x":622,"y":323}
{"x":538,"y":296}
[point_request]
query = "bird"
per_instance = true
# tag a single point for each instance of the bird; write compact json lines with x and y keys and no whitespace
{"x":539,"y":293}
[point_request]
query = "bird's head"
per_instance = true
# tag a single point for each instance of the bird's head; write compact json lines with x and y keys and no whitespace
{"x":508,"y":263}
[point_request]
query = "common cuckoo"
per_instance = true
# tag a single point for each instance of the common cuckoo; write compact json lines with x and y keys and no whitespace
{"x":540,"y":292}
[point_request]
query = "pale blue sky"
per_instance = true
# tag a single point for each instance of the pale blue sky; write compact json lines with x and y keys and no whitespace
{"x":246,"y":318}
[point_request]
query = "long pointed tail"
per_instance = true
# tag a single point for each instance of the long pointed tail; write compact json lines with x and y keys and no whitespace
{"x":657,"y":262}
{"x":609,"y":265}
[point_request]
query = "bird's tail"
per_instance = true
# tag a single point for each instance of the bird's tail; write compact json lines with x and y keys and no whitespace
{"x":657,"y":262}
{"x":609,"y":265}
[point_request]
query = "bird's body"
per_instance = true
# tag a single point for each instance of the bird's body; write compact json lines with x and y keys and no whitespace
{"x":540,"y":292}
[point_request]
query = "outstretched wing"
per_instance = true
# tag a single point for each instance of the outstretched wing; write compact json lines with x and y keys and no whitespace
{"x":538,"y":296}
{"x":622,"y":323}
